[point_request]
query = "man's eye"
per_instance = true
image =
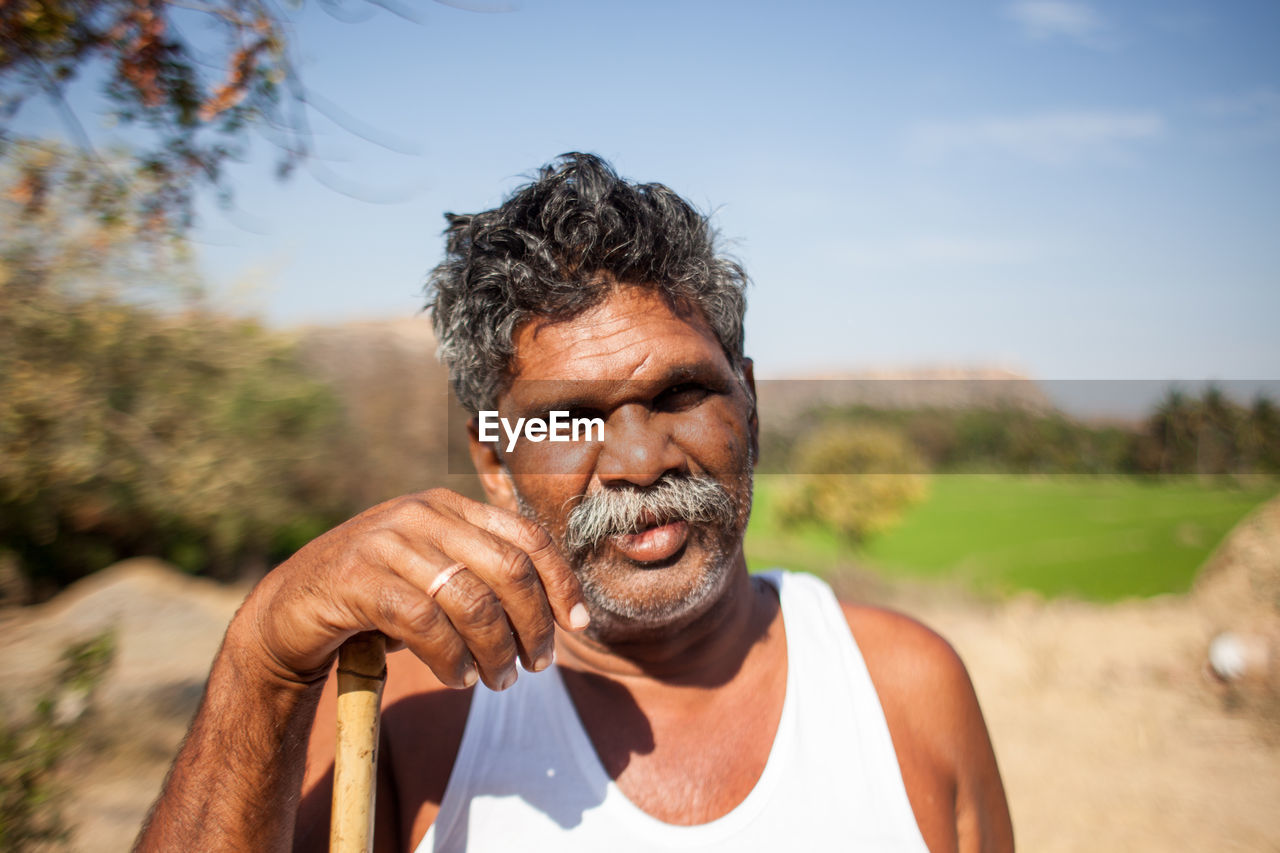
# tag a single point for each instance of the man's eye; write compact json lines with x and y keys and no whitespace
{"x":682,"y":396}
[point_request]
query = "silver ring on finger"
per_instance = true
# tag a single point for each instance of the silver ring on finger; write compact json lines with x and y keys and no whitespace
{"x":446,"y":574}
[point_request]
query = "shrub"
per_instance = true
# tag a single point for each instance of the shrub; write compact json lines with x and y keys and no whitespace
{"x":133,"y":418}
{"x":854,"y":479}
{"x":32,"y":750}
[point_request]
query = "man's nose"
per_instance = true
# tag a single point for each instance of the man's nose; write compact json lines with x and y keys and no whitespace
{"x":637,"y":450}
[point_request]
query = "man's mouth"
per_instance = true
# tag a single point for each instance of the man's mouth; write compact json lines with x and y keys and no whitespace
{"x":657,"y":539}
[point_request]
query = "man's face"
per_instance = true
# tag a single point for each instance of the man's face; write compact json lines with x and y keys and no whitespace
{"x":652,"y":517}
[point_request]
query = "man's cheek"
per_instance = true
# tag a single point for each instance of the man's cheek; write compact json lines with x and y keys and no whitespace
{"x":717,"y":441}
{"x":569,"y":453}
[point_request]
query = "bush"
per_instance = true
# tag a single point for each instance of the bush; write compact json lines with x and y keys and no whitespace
{"x":135,"y":420}
{"x":127,"y":431}
{"x":853,"y":479}
{"x":31,"y":751}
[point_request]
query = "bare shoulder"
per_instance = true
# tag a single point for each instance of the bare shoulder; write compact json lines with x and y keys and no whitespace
{"x":924,"y":689}
{"x":908,"y":660}
{"x":941,"y":740}
{"x":413,"y":768}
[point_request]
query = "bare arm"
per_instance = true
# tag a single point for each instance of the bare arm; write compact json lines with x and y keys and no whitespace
{"x":236,"y":782}
{"x":240,"y":767}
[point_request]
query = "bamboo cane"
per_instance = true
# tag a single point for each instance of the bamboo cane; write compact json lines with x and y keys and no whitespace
{"x":362,"y":671}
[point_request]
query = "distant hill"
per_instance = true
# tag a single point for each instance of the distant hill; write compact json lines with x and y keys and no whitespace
{"x":400,"y":414}
{"x":783,"y":399}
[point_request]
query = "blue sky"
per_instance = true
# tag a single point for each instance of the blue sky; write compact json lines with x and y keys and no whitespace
{"x":1076,"y":190}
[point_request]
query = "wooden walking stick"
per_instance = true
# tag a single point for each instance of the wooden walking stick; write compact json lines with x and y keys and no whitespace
{"x":362,"y":671}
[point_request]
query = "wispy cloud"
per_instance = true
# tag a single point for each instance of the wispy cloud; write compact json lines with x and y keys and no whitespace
{"x":1249,"y":118}
{"x":949,"y":250}
{"x":1048,"y":19}
{"x":1059,"y":137}
{"x":1258,"y":103}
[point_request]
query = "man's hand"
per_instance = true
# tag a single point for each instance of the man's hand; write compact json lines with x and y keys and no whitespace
{"x":376,"y":572}
{"x":466,"y":586}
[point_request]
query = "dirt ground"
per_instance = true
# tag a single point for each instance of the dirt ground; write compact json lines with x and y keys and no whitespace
{"x":1109,"y":732}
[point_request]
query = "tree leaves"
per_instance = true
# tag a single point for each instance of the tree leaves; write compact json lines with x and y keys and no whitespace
{"x":155,"y":76}
{"x":134,"y":419}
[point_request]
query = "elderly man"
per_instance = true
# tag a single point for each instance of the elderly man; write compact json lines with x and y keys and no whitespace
{"x":670,"y":700}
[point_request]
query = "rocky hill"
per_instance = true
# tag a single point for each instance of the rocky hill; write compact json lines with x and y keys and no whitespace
{"x":405,"y":431}
{"x":785,"y":398}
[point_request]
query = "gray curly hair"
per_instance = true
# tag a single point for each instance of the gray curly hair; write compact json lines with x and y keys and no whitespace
{"x":555,"y":248}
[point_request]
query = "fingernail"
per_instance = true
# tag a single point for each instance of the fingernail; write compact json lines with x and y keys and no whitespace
{"x":578,"y":617}
{"x":470,"y":677}
{"x":544,"y":661}
{"x":508,"y":679}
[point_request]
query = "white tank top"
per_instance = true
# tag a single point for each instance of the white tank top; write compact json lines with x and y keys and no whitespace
{"x":528,"y":778}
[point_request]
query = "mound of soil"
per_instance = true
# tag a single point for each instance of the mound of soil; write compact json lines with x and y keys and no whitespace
{"x":166,"y":627}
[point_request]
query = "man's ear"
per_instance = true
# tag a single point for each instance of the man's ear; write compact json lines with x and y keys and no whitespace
{"x":749,"y":376}
{"x":494,"y":478}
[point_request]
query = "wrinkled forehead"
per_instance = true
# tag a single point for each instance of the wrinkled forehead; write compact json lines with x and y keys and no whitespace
{"x":634,"y":334}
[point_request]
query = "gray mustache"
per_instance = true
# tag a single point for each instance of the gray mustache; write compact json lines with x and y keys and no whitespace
{"x":618,"y":511}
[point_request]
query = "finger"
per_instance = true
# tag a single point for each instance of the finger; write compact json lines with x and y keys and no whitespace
{"x":463,"y":601}
{"x":407,"y":615}
{"x":563,"y":591}
{"x":479,"y":618}
{"x":512,"y":575}
{"x":506,"y":569}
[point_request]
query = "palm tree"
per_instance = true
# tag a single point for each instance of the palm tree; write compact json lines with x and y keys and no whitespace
{"x":1173,"y":427}
{"x":1263,"y":431}
{"x":1217,"y":448}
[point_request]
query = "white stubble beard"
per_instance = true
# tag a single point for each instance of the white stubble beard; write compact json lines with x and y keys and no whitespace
{"x":619,"y":619}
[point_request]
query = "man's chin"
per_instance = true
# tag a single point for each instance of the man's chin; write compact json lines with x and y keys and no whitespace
{"x":632,"y":600}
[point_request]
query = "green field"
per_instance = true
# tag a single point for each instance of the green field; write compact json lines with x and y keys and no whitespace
{"x":1094,"y":538}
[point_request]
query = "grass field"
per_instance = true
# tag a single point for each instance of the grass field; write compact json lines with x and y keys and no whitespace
{"x":1093,"y":538}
